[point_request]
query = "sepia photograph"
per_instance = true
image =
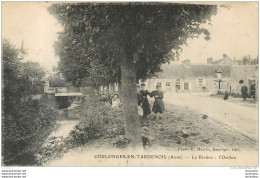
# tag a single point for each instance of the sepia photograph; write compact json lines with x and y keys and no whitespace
{"x":130,"y":84}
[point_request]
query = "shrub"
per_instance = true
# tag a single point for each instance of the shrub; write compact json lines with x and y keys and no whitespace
{"x":25,"y":130}
{"x":98,"y":120}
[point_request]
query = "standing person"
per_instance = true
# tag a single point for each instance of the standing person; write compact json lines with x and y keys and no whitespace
{"x":145,"y":103}
{"x":158,"y":106}
{"x":244,"y":92}
{"x":253,"y":89}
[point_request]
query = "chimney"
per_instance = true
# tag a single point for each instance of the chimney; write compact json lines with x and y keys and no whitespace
{"x":224,"y":55}
{"x":209,"y":60}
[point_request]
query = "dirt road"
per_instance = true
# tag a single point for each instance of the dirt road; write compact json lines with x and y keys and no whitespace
{"x":234,"y":114}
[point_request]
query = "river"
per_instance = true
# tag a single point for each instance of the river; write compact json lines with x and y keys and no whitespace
{"x":68,"y":118}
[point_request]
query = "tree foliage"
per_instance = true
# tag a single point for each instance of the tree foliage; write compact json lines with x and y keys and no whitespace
{"x":78,"y":62}
{"x":125,"y":41}
{"x":25,"y":122}
{"x":33,"y":70}
{"x":57,"y":81}
{"x":97,"y":35}
{"x":246,"y":60}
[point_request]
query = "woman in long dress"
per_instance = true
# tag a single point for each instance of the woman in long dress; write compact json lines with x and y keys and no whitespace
{"x":145,"y":103}
{"x":158,"y":106}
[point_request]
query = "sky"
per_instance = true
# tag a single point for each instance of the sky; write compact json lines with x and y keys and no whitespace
{"x":234,"y":32}
{"x":30,"y":22}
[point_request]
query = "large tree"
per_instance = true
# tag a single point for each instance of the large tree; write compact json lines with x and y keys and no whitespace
{"x":135,"y":37}
{"x":73,"y":51}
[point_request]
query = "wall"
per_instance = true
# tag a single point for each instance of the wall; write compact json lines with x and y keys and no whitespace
{"x":247,"y":73}
{"x":192,"y":85}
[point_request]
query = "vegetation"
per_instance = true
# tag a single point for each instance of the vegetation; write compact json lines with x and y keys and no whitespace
{"x":124,"y":42}
{"x":26,"y":123}
{"x":246,"y":60}
{"x":99,"y":120}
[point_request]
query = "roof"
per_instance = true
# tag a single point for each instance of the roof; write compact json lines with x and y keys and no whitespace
{"x":226,"y":60}
{"x":238,"y":71}
{"x":193,"y":71}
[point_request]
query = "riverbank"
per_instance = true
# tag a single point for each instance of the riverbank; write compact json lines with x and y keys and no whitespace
{"x":180,"y":128}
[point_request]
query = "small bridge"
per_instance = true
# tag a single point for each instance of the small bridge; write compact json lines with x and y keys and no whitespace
{"x":63,"y":95}
{"x":69,"y":94}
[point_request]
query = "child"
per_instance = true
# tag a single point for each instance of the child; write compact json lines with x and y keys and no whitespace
{"x":115,"y":101}
{"x":158,"y":106}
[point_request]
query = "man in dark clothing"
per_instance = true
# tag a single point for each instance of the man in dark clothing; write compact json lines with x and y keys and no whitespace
{"x":253,"y":89}
{"x":244,"y":92}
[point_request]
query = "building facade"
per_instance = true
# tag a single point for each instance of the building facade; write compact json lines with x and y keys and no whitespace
{"x":183,"y":78}
{"x":204,"y":78}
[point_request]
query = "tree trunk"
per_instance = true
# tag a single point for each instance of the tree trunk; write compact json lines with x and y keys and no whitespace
{"x":129,"y":101}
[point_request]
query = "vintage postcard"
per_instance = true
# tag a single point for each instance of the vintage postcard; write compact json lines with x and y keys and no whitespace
{"x":130,"y":84}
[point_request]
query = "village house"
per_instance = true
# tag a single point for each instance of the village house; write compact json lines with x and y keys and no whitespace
{"x":219,"y":75}
{"x":179,"y":78}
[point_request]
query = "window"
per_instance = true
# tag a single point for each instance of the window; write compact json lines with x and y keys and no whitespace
{"x":168,"y":84}
{"x":186,"y":86}
{"x":200,"y":82}
{"x":159,"y":84}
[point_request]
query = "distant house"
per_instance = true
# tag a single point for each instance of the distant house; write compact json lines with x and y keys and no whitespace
{"x":218,"y":76}
{"x":243,"y":75}
{"x":190,"y":78}
{"x":226,"y":60}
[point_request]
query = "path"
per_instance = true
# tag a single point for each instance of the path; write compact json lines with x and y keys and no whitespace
{"x":240,"y":117}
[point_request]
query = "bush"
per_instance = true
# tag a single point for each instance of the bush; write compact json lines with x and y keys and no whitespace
{"x":121,"y":142}
{"x":25,"y":130}
{"x":98,"y":120}
{"x":26,"y":123}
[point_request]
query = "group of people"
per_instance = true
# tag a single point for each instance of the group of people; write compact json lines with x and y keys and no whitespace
{"x":113,"y":100}
{"x":143,"y":103}
{"x":252,"y":91}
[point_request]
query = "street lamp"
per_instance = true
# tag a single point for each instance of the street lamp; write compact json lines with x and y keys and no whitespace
{"x":219,"y":77}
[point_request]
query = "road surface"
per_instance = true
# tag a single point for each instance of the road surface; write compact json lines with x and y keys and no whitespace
{"x":233,"y":113}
